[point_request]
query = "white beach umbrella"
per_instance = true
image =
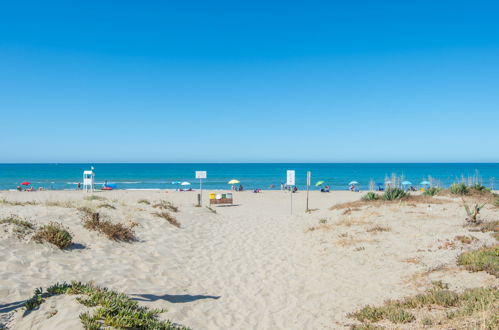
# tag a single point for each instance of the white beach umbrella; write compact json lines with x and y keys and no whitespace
{"x":353,"y":182}
{"x":185,"y":183}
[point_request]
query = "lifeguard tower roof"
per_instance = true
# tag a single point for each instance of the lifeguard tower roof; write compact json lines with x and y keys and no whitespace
{"x":87,"y":172}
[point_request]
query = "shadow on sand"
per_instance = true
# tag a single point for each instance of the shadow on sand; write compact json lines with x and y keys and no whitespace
{"x":173,"y":298}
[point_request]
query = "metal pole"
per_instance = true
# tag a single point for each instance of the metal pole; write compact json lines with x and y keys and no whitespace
{"x":201,"y":192}
{"x":308,"y":186}
{"x":291,"y":192}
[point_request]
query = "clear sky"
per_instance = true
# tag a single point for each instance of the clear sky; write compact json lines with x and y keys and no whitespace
{"x":249,"y":81}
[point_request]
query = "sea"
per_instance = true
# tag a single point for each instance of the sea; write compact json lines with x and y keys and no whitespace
{"x":251,"y":175}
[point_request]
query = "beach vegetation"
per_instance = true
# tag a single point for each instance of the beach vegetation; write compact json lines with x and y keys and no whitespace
{"x":322,"y":221}
{"x":472,"y":211}
{"x":165,"y":205}
{"x":465,"y":239}
{"x":15,"y":220}
{"x":478,"y":305}
{"x":378,"y":229}
{"x":54,"y":233}
{"x":17,"y":203}
{"x":94,"y":198}
{"x":143,"y":201}
{"x":432,"y":191}
{"x":112,"y":309}
{"x":370,"y":196}
{"x":168,"y":217}
{"x":484,"y":259}
{"x":488,"y":226}
{"x":394,"y":194}
{"x":107,"y":206}
{"x":66,"y":204}
{"x":459,"y":189}
{"x":113,"y":231}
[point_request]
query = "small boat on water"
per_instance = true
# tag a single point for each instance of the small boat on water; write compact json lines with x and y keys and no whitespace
{"x":108,"y":186}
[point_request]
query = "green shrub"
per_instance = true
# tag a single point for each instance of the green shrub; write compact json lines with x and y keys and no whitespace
{"x":114,"y":309}
{"x":432,"y":191}
{"x":459,"y":189}
{"x":484,"y":259}
{"x":370,"y":196}
{"x":54,"y":233}
{"x":394,"y":194}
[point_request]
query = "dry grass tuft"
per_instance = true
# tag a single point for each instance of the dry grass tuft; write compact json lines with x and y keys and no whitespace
{"x":143,"y":201}
{"x":107,"y":206}
{"x":54,"y":233}
{"x":168,"y":217}
{"x":408,"y":200}
{"x":16,"y":203}
{"x":378,"y":229}
{"x":474,"y":308}
{"x":352,"y":222}
{"x":94,"y":198}
{"x":165,"y":205}
{"x":465,"y":239}
{"x":312,"y":210}
{"x":349,"y":241}
{"x":114,"y":231}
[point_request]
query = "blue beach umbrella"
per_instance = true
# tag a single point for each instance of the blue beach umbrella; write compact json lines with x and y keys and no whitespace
{"x":353,"y":182}
{"x":424,"y":182}
{"x":405,"y":183}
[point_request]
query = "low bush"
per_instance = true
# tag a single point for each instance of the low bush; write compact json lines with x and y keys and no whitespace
{"x":113,"y":309}
{"x":168,"y":217}
{"x":394,"y":194}
{"x":94,"y":198}
{"x":15,"y":220}
{"x":472,"y":304}
{"x":483,"y":259}
{"x":165,"y":205}
{"x":143,"y":201}
{"x":114,"y":231}
{"x":54,"y":233}
{"x":432,"y":191}
{"x":459,"y":189}
{"x":370,"y":196}
{"x":107,"y":206}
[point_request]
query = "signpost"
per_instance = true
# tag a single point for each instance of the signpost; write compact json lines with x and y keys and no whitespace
{"x":308,"y":187}
{"x":290,"y":181}
{"x":201,"y":175}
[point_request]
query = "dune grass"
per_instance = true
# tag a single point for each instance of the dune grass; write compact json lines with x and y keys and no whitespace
{"x":165,"y":205}
{"x":54,"y":233}
{"x":15,"y":220}
{"x":113,"y":231}
{"x":143,"y":201}
{"x":17,"y":203}
{"x":388,"y":200}
{"x":111,"y":309}
{"x":483,"y":259}
{"x":168,"y":217}
{"x":479,"y":305}
{"x":107,"y":206}
{"x":94,"y":198}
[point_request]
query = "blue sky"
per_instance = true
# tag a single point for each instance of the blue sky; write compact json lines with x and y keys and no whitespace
{"x":256,"y":81}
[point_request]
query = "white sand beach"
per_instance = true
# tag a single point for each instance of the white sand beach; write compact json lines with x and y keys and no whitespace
{"x":248,"y":266}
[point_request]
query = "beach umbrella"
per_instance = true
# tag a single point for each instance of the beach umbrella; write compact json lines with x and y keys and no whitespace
{"x":233,"y":181}
{"x":353,"y":182}
{"x":424,"y":182}
{"x":405,"y":183}
{"x":185,"y":183}
{"x":388,"y":182}
{"x":319,"y":183}
{"x":379,"y":184}
{"x":25,"y":183}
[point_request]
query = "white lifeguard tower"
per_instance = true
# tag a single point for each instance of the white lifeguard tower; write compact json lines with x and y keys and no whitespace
{"x":88,"y":180}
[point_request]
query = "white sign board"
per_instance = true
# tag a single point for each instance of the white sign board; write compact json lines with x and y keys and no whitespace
{"x":290,"y":177}
{"x":200,"y":174}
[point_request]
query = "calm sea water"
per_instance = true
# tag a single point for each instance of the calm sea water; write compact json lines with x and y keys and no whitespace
{"x":154,"y":176}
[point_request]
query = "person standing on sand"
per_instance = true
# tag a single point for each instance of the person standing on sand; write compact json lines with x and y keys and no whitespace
{"x":78,"y":186}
